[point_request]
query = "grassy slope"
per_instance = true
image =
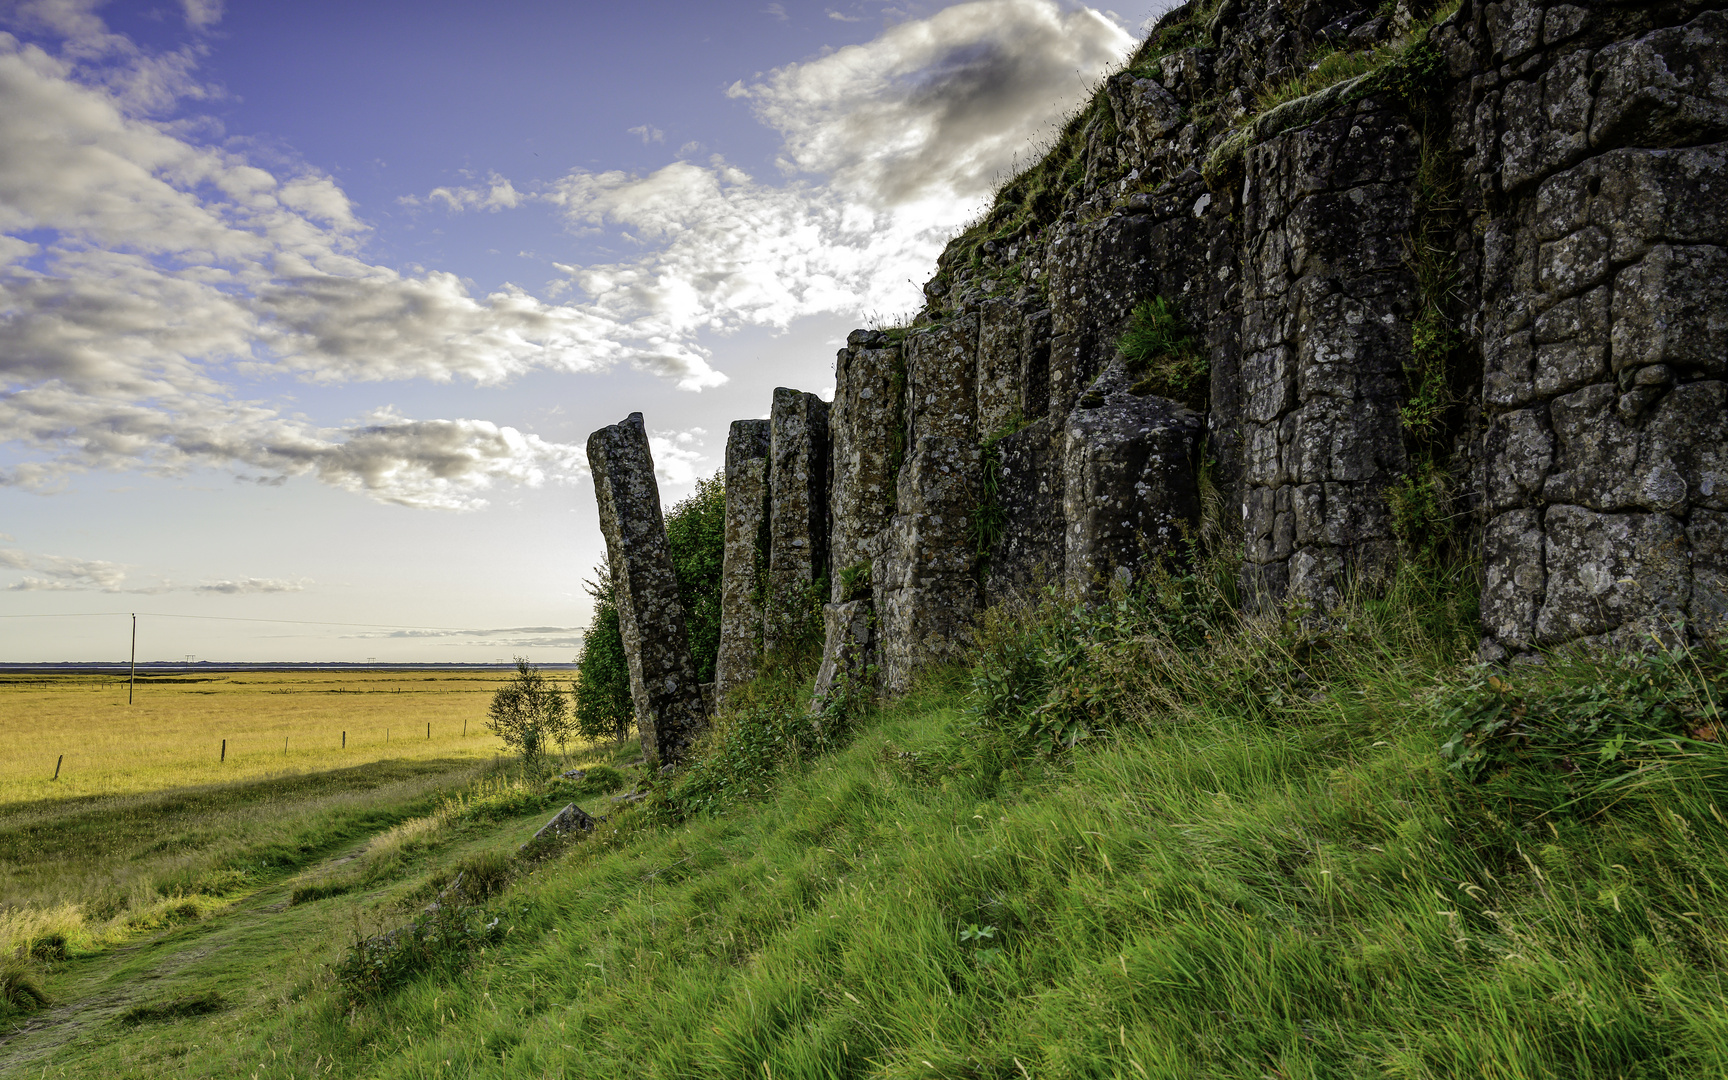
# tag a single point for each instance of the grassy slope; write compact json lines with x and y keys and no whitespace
{"x":1199,"y":894}
{"x":270,"y":937}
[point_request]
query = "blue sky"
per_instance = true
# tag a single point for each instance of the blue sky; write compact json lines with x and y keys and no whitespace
{"x":307,"y":309}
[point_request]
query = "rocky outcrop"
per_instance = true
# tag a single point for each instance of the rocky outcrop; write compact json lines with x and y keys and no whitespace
{"x":1472,"y":298}
{"x":663,"y":685}
{"x":744,"y":567}
{"x":1130,"y":494}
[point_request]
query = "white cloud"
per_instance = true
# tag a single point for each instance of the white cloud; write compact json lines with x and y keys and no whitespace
{"x":889,"y":146}
{"x":63,"y":572}
{"x":201,"y":14}
{"x":938,"y":108}
{"x":66,"y":574}
{"x":677,"y":460}
{"x":495,"y":194}
{"x":150,"y":264}
{"x":250,"y":585}
{"x":648,"y":133}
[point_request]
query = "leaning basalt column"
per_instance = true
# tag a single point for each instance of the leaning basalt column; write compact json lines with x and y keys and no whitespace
{"x":797,"y":515}
{"x":663,"y":685}
{"x":1327,"y":306}
{"x":1130,"y":492}
{"x":744,"y":567}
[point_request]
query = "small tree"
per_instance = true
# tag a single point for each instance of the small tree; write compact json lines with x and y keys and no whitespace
{"x":530,"y":713}
{"x":603,"y":707}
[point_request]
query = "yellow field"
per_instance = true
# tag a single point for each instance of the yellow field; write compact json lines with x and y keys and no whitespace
{"x":172,"y":735}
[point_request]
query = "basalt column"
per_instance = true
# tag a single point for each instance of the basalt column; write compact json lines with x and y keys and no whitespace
{"x":1327,"y":304}
{"x":862,"y":423}
{"x":927,"y":594}
{"x":745,"y":566}
{"x":797,"y":516}
{"x":663,"y":686}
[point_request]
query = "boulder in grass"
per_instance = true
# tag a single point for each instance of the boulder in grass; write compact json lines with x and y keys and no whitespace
{"x":566,"y":821}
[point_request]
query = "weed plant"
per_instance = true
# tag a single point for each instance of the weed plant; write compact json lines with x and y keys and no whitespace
{"x":1162,"y":351}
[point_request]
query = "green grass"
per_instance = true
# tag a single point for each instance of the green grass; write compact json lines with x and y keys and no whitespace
{"x":1252,"y":862}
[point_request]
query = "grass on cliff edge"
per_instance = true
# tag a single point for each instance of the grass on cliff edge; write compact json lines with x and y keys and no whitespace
{"x":1125,"y":845}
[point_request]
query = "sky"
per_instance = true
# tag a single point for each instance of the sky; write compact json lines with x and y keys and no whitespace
{"x":307,"y":310}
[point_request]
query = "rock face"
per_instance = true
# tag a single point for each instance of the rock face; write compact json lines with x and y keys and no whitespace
{"x":797,"y":515}
{"x":1476,"y":297}
{"x":1599,"y":132}
{"x":663,"y":685}
{"x":744,"y":568}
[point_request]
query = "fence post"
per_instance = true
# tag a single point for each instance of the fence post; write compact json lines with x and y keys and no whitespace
{"x":344,"y":740}
{"x":57,"y":766}
{"x":224,"y":756}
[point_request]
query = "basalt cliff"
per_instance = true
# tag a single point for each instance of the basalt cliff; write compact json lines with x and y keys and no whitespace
{"x":1327,"y":284}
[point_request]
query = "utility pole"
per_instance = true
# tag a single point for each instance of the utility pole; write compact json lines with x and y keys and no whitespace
{"x":132,"y":679}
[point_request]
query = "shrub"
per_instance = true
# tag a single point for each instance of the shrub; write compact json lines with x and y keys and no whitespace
{"x":321,"y":890}
{"x":530,"y":713}
{"x":696,"y":533}
{"x":603,"y":707}
{"x":483,"y":876}
{"x":19,"y":990}
{"x":1587,"y":722}
{"x":445,"y":937}
{"x":177,"y":1008}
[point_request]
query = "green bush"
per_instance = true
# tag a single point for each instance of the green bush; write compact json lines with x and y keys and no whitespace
{"x":1586,"y":723}
{"x":483,"y":876}
{"x":443,"y":939}
{"x":20,"y":992}
{"x":696,"y":532}
{"x":603,"y":708}
{"x":177,"y":1008}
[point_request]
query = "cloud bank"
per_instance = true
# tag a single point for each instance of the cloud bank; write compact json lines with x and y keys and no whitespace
{"x":64,"y":574}
{"x":142,"y":273}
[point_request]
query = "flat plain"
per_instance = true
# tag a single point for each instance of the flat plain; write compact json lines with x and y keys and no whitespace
{"x":274,"y":723}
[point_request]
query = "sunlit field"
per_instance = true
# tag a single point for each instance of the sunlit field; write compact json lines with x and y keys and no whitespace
{"x":274,"y":723}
